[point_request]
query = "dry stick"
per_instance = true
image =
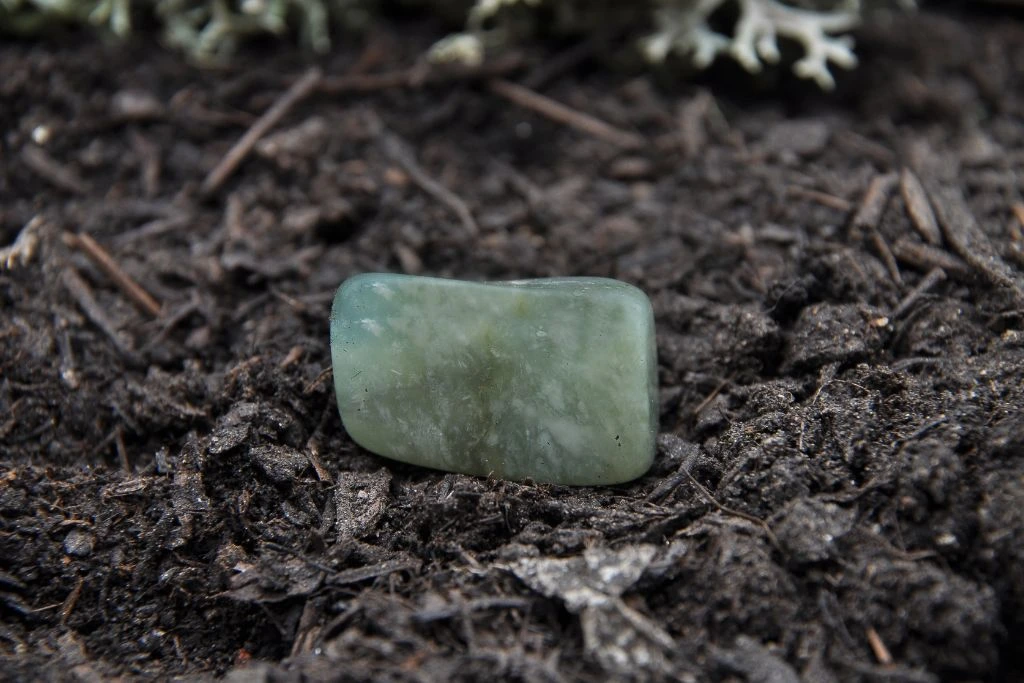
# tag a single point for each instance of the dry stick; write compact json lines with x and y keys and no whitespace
{"x":105,"y":262}
{"x":1017,"y":233}
{"x":149,"y":154}
{"x":711,"y":397}
{"x":556,"y":111}
{"x":925,"y":257}
{"x":878,"y":647}
{"x":122,"y":452}
{"x":918,"y":208}
{"x":885,"y":253}
{"x":400,"y":154}
{"x":71,"y":601}
{"x":823,"y":198}
{"x":318,"y":380}
{"x":561,"y":63}
{"x":150,"y":229}
{"x":934,"y":277}
{"x":172,"y":321}
{"x":415,"y":77}
{"x":863,"y":146}
{"x":85,"y":299}
{"x":1018,"y":211}
{"x":871,"y":207}
{"x":969,"y":241}
{"x":313,"y":445}
{"x":53,"y":171}
{"x":299,"y":91}
{"x":731,"y":511}
{"x":68,"y":369}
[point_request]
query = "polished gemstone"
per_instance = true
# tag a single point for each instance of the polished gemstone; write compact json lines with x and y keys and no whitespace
{"x":553,"y":380}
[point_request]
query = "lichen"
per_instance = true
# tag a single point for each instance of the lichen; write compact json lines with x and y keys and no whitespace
{"x":209,"y":30}
{"x":683,"y":28}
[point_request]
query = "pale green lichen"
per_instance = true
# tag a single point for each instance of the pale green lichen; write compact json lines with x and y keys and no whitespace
{"x":210,"y":30}
{"x":683,"y":28}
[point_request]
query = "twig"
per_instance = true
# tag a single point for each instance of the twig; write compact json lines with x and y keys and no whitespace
{"x":878,"y":647}
{"x":918,"y":208}
{"x":754,"y":519}
{"x":294,"y":356}
{"x":711,"y":397}
{"x":53,"y":171}
{"x":873,"y":204}
{"x":926,"y":258}
{"x":454,"y":609}
{"x":885,"y":253}
{"x":299,"y":91}
{"x":858,"y":144}
{"x":318,"y":380}
{"x":105,"y":262}
{"x":172,"y":321}
{"x":82,"y":294}
{"x":68,"y":366}
{"x":313,"y":445}
{"x":150,"y":229}
{"x":122,"y":452}
{"x":1018,"y":212}
{"x":825,"y":377}
{"x":934,"y":277}
{"x":556,"y":111}
{"x":360,"y":574}
{"x":823,"y":198}
{"x":149,"y":154}
{"x":400,"y":154}
{"x":565,"y":61}
{"x":71,"y":601}
{"x":416,"y":77}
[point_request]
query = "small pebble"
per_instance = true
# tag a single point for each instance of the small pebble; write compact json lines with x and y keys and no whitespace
{"x":551,"y":380}
{"x":79,"y":543}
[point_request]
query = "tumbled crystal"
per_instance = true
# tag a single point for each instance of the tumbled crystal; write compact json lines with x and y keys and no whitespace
{"x":553,"y":380}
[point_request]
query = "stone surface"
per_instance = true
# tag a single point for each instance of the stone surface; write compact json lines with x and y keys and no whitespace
{"x":551,"y":380}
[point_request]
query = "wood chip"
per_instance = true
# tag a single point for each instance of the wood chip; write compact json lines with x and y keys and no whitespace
{"x":925,"y":257}
{"x":918,"y":208}
{"x":968,"y":240}
{"x":869,"y":214}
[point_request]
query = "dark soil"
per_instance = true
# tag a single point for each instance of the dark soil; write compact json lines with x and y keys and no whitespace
{"x":839,"y":489}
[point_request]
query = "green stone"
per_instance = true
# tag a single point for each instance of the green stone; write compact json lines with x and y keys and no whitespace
{"x":552,"y":380}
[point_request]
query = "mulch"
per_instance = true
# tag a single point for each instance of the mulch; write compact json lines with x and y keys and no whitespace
{"x":838,"y":281}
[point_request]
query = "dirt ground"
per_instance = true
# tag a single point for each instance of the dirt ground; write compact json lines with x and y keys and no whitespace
{"x":838,"y":281}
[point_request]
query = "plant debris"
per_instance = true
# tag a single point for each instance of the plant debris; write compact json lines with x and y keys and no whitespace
{"x":839,"y":487}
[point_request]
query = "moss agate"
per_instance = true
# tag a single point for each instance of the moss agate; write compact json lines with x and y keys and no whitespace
{"x":553,"y":380}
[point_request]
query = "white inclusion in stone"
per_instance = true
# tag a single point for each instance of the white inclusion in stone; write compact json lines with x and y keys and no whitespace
{"x":383,"y":290}
{"x":553,"y":393}
{"x":371,"y":326}
{"x":567,"y":433}
{"x":541,"y":333}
